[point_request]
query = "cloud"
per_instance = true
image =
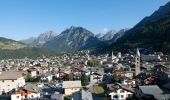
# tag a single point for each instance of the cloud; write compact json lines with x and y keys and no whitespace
{"x":105,"y":29}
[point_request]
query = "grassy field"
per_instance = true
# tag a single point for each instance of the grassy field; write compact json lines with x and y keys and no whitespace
{"x":98,"y":90}
{"x":11,"y":45}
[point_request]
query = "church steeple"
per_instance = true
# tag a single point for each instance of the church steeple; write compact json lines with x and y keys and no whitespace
{"x":137,"y":62}
{"x":137,"y":52}
{"x":112,"y":55}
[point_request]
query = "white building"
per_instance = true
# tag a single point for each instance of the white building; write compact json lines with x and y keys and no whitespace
{"x":25,"y":95}
{"x":10,"y":81}
{"x":150,"y":58}
{"x":120,"y":94}
{"x":32,"y":71}
{"x":96,"y":78}
{"x":29,"y":92}
{"x":119,"y":55}
{"x":129,"y":82}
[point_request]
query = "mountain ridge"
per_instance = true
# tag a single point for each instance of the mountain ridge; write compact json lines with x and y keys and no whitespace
{"x":73,"y":39}
{"x":153,"y":34}
{"x":41,"y":39}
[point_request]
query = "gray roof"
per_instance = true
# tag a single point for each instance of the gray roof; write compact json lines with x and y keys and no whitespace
{"x":167,"y":85}
{"x":162,"y":96}
{"x":57,"y":96}
{"x":32,"y":87}
{"x":71,"y":84}
{"x":83,"y":95}
{"x":10,"y":75}
{"x":151,"y":89}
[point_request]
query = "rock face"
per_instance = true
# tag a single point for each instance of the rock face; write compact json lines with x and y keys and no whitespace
{"x":73,"y":39}
{"x":119,"y":34}
{"x":100,"y":35}
{"x":46,"y":36}
{"x":41,"y":39}
{"x":111,"y":36}
{"x":108,"y":36}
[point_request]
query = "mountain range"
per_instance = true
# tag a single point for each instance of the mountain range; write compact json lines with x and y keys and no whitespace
{"x":73,"y":39}
{"x":153,"y":32}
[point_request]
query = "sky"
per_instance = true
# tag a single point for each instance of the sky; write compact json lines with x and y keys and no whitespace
{"x":21,"y":19}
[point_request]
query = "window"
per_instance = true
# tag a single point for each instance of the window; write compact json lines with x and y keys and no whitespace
{"x":121,"y":91}
{"x":115,"y":96}
{"x":129,"y":95}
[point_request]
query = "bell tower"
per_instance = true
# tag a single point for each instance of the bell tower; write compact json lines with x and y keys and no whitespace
{"x":137,"y":62}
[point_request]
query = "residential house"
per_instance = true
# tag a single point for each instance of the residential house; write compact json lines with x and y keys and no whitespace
{"x":116,"y":92}
{"x":129,"y":83}
{"x":29,"y":91}
{"x":54,"y":96}
{"x":43,"y":70}
{"x":96,"y":75}
{"x":160,"y":72}
{"x":32,"y":71}
{"x":96,"y":78}
{"x":122,"y":73}
{"x":150,"y":92}
{"x":47,"y":77}
{"x":24,"y":94}
{"x":10,"y":81}
{"x":82,"y":95}
{"x":76,"y":73}
{"x":71,"y":87}
{"x":150,"y":58}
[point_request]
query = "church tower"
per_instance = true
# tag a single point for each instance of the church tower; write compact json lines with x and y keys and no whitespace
{"x":137,"y":62}
{"x":112,"y":55}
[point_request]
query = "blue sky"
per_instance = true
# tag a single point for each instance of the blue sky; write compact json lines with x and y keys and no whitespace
{"x":20,"y":19}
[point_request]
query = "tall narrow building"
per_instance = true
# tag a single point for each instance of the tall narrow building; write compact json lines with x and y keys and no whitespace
{"x":112,"y":55}
{"x":137,"y":62}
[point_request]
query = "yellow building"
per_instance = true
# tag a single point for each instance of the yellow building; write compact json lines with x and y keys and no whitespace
{"x":71,"y":87}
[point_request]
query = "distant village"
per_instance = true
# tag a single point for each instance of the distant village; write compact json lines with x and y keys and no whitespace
{"x":82,"y":76}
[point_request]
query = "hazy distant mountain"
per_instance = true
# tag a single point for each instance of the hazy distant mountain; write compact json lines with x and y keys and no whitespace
{"x":74,"y":38}
{"x":111,"y":36}
{"x":119,"y":34}
{"x":41,"y":39}
{"x":46,"y":36}
{"x":108,"y":36}
{"x":29,"y":41}
{"x":100,"y":35}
